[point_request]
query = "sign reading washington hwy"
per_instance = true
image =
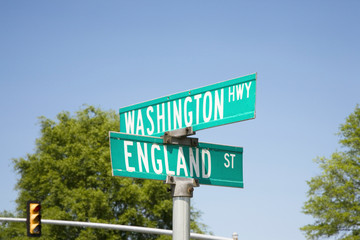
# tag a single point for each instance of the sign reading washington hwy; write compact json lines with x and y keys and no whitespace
{"x":218,"y":104}
{"x":147,"y":157}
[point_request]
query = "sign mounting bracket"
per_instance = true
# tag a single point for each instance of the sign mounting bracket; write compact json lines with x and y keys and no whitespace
{"x":179,"y":137}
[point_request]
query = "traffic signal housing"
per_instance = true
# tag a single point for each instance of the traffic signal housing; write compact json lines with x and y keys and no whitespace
{"x":33,"y":221}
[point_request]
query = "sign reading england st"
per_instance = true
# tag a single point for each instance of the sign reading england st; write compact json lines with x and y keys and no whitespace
{"x":148,"y":157}
{"x":218,"y":104}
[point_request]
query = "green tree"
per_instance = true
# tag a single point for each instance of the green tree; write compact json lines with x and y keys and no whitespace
{"x":70,"y":173}
{"x":334,"y":195}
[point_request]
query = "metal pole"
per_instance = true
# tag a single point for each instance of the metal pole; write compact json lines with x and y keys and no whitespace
{"x":181,"y":218}
{"x":182,"y":190}
{"x":115,"y":227}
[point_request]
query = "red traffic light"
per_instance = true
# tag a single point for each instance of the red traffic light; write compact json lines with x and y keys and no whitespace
{"x":37,"y":208}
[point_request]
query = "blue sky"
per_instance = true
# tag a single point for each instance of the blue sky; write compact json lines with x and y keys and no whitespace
{"x":59,"y":55}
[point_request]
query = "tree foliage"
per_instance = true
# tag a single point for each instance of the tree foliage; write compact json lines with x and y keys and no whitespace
{"x":334,"y":195}
{"x":70,"y":173}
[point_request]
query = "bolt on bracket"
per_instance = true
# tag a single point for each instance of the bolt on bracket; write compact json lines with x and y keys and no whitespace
{"x":182,"y":187}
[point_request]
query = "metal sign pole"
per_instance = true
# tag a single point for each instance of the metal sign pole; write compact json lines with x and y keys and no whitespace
{"x":182,"y":190}
{"x":181,"y":218}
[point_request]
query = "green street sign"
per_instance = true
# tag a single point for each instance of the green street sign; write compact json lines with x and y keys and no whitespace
{"x":148,"y":157}
{"x":218,"y":104}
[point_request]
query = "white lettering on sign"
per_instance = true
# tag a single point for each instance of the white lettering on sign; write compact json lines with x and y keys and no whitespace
{"x":219,"y":104}
{"x":236,"y":92}
{"x":227,"y":164}
{"x":240,"y":91}
{"x":151,"y":130}
{"x":207,"y":106}
{"x":168,"y":172}
{"x":197,"y":98}
{"x":140,"y":123}
{"x":127,"y":156}
{"x":157,"y":156}
{"x":247,"y":89}
{"x":182,"y":112}
{"x":206,"y":153}
{"x":194,"y":162}
{"x":177,"y":114}
{"x":160,"y":117}
{"x":143,"y":157}
{"x":188,"y":115}
{"x":169,"y":116}
{"x":157,"y":168}
{"x":129,"y":121}
{"x":181,"y":162}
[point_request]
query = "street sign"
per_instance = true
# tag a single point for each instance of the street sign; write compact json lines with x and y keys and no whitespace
{"x":218,"y":104}
{"x":148,"y":157}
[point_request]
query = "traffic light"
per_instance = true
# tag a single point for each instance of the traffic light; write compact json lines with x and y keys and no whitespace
{"x":33,"y":221}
